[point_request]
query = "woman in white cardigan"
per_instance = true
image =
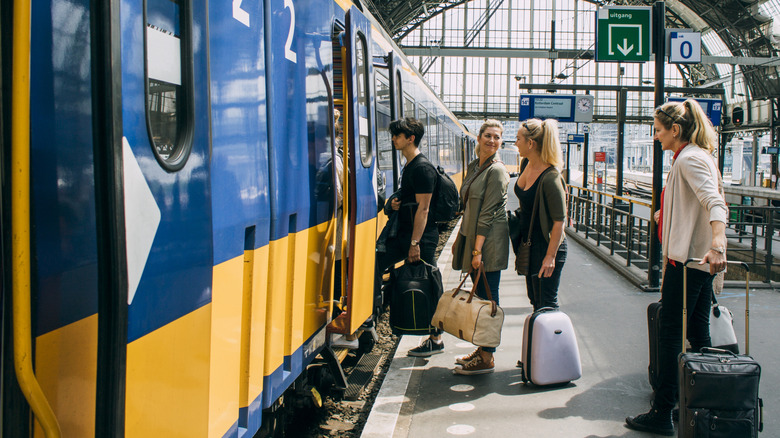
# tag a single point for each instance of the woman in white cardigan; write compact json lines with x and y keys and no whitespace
{"x":693,"y":219}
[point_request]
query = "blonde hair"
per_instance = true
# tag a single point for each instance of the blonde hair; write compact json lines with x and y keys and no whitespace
{"x":545,"y":134}
{"x":695,"y":126}
{"x":489,"y":123}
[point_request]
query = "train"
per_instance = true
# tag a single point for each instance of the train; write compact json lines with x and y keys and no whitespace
{"x":168,"y":256}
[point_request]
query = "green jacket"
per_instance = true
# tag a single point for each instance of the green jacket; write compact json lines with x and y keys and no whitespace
{"x":484,"y":214}
{"x":552,"y":204}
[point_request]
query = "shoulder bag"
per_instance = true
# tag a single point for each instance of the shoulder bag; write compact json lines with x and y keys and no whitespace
{"x":468,"y":317}
{"x":523,"y":253}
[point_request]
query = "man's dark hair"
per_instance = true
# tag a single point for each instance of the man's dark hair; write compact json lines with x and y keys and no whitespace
{"x":409,"y":126}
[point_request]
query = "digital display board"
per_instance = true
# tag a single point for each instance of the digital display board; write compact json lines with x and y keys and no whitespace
{"x":712,"y":107}
{"x":571,"y":108}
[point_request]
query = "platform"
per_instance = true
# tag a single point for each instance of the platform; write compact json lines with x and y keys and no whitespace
{"x":422,"y":398}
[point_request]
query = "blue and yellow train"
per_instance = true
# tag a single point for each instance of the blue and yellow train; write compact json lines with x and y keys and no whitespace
{"x":168,"y":258}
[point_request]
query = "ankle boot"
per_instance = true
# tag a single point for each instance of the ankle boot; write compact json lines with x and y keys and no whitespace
{"x":655,"y":421}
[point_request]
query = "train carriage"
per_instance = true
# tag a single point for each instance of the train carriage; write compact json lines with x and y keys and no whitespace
{"x":168,"y":252}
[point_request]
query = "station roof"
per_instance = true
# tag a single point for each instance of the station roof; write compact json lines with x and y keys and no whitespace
{"x":739,"y":23}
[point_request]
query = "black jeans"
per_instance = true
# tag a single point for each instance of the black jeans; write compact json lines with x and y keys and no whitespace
{"x":670,"y":336}
{"x":543,"y":292}
{"x":493,"y":279}
{"x":397,"y":249}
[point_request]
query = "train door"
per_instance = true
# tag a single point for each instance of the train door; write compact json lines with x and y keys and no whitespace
{"x":166,"y":163}
{"x":361,"y":188}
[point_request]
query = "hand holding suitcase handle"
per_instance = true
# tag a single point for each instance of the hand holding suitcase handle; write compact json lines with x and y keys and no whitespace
{"x":747,"y":301}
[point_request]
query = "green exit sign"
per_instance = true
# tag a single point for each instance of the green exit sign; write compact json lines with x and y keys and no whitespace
{"x":623,"y":33}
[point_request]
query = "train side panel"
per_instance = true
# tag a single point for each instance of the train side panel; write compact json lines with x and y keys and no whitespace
{"x":169,"y":314}
{"x":241,"y":216}
{"x":64,"y":242}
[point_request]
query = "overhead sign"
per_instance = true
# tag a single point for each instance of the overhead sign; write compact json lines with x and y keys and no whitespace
{"x":712,"y":107}
{"x":575,"y":138}
{"x":564,"y":108}
{"x":623,"y":33}
{"x":684,"y":46}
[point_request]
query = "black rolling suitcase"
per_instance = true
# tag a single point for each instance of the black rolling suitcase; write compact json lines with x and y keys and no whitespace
{"x":653,"y":328}
{"x":415,"y":290}
{"x":718,"y":388}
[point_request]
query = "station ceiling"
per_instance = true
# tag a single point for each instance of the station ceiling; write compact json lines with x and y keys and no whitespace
{"x":739,"y":23}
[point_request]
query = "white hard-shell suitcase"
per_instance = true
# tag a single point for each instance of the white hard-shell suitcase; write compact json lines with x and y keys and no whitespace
{"x":550,"y":352}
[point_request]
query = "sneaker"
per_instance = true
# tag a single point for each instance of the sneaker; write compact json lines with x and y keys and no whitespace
{"x":339,"y":341}
{"x":463,"y":360}
{"x":427,"y":348}
{"x":655,"y":421}
{"x":476,"y":366}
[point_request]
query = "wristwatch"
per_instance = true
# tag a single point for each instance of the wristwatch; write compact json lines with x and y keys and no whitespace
{"x":415,"y":243}
{"x":718,"y":249}
{"x":476,"y":252}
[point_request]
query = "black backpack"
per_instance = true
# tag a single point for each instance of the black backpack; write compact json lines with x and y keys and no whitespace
{"x":446,"y":205}
{"x":414,"y":289}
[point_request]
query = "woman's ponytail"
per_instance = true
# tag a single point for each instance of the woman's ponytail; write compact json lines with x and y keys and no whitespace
{"x":551,"y":146}
{"x":702,"y":133}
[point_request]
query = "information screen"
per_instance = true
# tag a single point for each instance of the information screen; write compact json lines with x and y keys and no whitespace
{"x":552,"y":108}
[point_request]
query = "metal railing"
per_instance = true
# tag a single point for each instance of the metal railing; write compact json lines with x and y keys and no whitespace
{"x":621,"y":225}
{"x":611,"y":221}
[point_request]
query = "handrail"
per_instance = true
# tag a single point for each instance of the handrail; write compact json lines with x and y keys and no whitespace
{"x":20,"y":222}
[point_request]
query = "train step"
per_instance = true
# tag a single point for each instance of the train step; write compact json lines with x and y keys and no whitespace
{"x":361,"y":375}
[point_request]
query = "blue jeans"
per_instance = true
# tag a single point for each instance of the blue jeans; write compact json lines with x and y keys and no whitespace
{"x":493,"y":279}
{"x":670,"y":337}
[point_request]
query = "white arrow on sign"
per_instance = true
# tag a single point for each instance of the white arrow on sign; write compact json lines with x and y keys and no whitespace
{"x":623,"y":49}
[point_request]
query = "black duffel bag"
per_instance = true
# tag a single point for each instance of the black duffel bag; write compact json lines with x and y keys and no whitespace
{"x":415,"y":290}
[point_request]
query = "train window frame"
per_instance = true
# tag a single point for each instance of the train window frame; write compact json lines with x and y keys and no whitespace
{"x":408,"y":99}
{"x":399,"y":94}
{"x":423,"y":118}
{"x":184,"y":95}
{"x":366,"y":150}
{"x":382,"y":131}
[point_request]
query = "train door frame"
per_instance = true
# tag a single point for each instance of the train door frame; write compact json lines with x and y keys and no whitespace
{"x":361,"y":188}
{"x":396,"y":108}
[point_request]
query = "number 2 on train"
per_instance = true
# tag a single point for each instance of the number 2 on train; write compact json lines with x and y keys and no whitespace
{"x":288,"y":52}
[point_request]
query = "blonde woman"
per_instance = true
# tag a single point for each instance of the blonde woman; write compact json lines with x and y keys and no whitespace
{"x":538,"y":143}
{"x":693,"y":214}
{"x":483,"y":237}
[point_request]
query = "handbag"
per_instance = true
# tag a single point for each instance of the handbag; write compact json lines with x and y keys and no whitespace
{"x":722,"y":329}
{"x":468,"y":317}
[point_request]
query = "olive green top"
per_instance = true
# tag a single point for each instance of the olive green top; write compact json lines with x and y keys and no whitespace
{"x":484,"y":215}
{"x":552,"y":203}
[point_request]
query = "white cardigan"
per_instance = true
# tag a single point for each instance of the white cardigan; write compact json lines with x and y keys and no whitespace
{"x":691,"y":201}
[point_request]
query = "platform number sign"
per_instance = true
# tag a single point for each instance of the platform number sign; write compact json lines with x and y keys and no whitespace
{"x":623,"y":33}
{"x":684,"y":47}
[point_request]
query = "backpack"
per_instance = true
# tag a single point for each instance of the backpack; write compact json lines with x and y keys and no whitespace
{"x":415,"y":289}
{"x":446,"y":205}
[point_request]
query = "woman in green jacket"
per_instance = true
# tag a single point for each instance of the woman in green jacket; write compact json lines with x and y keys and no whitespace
{"x":483,"y":237}
{"x":537,"y":142}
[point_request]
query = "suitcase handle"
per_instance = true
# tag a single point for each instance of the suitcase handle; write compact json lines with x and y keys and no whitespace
{"x":747,"y":301}
{"x":718,"y":351}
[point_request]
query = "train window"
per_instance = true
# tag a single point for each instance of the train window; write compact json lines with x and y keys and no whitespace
{"x":169,"y":107}
{"x":399,"y":94}
{"x":408,"y":106}
{"x":433,"y":138}
{"x":426,"y":137}
{"x":383,"y":141}
{"x":361,"y":56}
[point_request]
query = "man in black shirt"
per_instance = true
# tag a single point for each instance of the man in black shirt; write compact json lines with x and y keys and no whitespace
{"x":417,"y":234}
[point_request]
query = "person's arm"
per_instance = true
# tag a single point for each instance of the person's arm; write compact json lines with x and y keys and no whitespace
{"x":716,"y":256}
{"x":548,"y":264}
{"x":420,"y":221}
{"x":476,"y":260}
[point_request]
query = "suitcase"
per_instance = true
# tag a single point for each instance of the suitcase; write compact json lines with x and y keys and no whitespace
{"x":721,"y":332}
{"x":653,"y":329}
{"x":415,"y":291}
{"x":718,"y":388}
{"x":550,"y":354}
